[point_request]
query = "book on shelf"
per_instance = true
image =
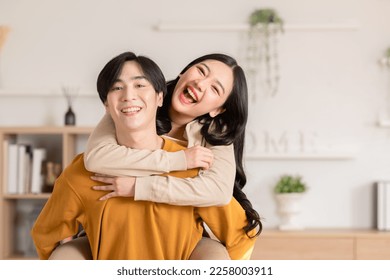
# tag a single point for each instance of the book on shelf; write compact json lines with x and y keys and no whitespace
{"x":37,"y":170}
{"x":27,"y":169}
{"x":24,"y":164}
{"x":383,"y":205}
{"x":11,"y":165}
{"x":23,"y":168}
{"x":4,"y":163}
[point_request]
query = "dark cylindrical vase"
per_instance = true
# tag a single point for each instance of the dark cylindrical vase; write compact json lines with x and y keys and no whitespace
{"x":70,"y":117}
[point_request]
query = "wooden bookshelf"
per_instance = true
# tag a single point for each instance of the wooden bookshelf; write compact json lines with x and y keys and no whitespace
{"x":63,"y":143}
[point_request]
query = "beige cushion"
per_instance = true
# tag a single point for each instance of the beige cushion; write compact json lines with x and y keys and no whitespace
{"x":76,"y":249}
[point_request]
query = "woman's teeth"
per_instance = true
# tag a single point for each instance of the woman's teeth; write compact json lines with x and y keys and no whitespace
{"x":190,"y":94}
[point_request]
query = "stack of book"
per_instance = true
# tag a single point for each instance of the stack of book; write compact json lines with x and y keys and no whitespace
{"x":383,"y":205}
{"x":23,"y":168}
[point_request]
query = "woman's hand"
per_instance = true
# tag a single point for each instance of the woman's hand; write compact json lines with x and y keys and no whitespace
{"x":119,"y":186}
{"x":199,"y":156}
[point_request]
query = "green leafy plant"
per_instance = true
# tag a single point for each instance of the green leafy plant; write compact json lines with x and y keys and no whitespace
{"x":265,"y":16}
{"x":290,"y":184}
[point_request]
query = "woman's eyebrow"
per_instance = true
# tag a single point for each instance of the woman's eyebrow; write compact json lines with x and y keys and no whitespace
{"x":218,"y":82}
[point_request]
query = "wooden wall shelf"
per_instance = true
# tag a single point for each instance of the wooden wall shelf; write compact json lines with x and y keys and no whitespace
{"x":347,"y":25}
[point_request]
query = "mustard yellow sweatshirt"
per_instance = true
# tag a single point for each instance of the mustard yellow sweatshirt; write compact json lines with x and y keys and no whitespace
{"x":121,"y":228}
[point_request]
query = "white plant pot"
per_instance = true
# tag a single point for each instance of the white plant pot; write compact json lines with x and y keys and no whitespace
{"x":289,"y":208}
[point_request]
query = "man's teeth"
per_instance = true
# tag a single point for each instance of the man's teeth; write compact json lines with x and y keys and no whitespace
{"x":131,"y":110}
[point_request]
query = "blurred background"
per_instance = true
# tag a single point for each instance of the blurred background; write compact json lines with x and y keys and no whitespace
{"x":327,"y":120}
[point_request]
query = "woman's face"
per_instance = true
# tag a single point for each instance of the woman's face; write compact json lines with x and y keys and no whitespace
{"x":202,"y":89}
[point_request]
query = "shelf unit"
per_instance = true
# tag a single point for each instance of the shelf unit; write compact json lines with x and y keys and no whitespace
{"x":47,"y":93}
{"x":323,"y":244}
{"x":62,"y":144}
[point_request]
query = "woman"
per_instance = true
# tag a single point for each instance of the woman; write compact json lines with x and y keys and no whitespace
{"x":205,"y":105}
{"x":210,"y":105}
{"x":122,"y":228}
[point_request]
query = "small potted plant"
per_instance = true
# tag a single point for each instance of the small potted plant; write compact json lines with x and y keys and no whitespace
{"x":288,"y":192}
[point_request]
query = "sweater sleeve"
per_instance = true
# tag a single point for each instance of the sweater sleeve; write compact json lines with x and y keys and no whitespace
{"x":212,"y":187}
{"x":227,"y":223}
{"x":54,"y":223}
{"x":103,"y":155}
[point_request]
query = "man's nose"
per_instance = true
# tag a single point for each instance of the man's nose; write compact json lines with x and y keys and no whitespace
{"x":129,"y":94}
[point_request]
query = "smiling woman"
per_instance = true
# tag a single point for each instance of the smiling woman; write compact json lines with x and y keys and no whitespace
{"x":218,"y":86}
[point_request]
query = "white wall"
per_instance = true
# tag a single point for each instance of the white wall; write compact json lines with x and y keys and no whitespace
{"x":332,"y":89}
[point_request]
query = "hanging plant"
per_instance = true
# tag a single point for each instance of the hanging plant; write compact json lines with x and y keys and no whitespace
{"x":265,"y":16}
{"x":262,"y":53}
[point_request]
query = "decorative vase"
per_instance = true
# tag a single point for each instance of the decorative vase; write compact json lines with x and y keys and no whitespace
{"x":289,"y":208}
{"x":70,"y":94}
{"x":70,"y":117}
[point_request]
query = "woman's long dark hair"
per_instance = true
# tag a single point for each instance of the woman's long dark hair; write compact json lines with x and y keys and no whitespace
{"x":224,"y":129}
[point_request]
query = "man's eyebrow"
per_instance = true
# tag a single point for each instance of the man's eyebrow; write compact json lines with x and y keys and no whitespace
{"x":139,"y":78}
{"x":132,"y":78}
{"x":218,"y":82}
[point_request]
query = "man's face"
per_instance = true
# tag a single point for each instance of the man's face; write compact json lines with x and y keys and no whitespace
{"x":132,"y":101}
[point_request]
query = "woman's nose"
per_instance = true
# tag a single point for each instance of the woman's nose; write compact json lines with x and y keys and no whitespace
{"x":201,"y":84}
